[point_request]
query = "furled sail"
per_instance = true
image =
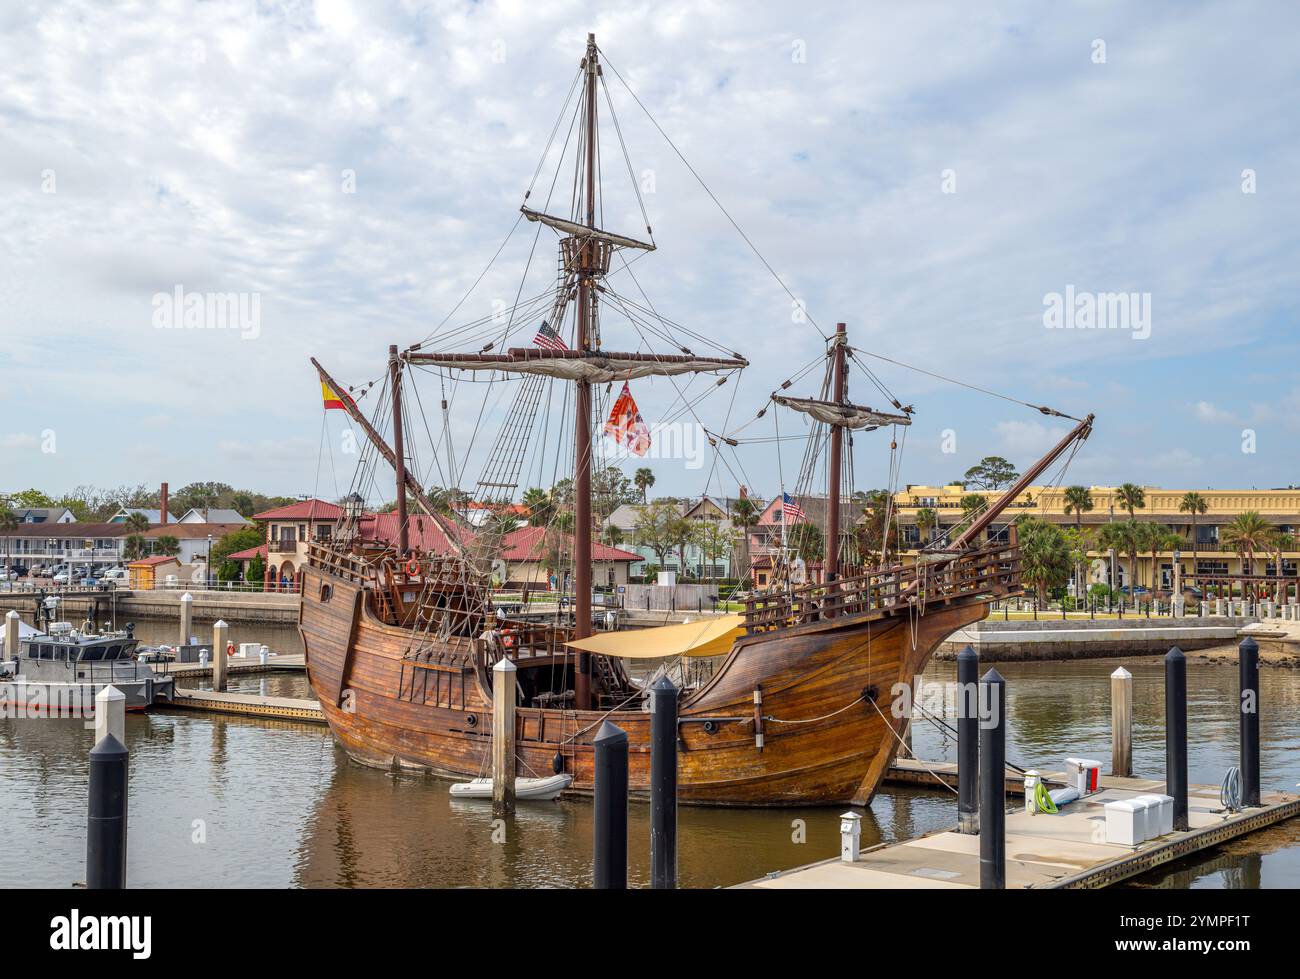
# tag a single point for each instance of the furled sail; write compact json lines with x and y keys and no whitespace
{"x":595,"y":366}
{"x":582,"y":231}
{"x":843,"y":414}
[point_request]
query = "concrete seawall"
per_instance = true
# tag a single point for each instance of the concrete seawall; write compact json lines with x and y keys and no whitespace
{"x":244,"y":607}
{"x":1054,"y":639}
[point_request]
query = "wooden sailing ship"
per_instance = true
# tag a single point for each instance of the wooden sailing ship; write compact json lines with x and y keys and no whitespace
{"x":798,"y":706}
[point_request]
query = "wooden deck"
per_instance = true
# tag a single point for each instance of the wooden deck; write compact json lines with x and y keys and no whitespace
{"x":242,"y":666}
{"x":248,"y":705}
{"x":1043,"y":851}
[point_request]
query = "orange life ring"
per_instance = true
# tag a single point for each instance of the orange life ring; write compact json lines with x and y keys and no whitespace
{"x":230,"y":649}
{"x":412,"y":567}
{"x":507,"y":639}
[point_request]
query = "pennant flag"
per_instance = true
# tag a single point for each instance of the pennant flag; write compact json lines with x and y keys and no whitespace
{"x":547,"y":338}
{"x":625,"y":425}
{"x":791,"y":511}
{"x":332,"y":398}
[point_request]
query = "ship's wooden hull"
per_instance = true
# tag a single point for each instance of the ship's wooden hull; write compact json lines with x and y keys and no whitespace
{"x":824,"y":743}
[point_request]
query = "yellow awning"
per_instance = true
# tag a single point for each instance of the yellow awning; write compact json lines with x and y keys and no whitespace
{"x":706,"y":637}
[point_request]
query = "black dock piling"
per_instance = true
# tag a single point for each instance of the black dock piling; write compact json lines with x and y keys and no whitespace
{"x":663,"y":784}
{"x":993,"y":789}
{"x":1248,"y":662}
{"x":1176,"y":734}
{"x":968,"y":742}
{"x":610,"y":831}
{"x":106,"y":822}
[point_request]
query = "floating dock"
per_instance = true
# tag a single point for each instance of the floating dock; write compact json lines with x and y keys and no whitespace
{"x":247,"y":705}
{"x":241,"y":666}
{"x":1043,"y":851}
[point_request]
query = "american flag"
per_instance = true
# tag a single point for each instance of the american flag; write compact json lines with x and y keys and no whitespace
{"x":791,"y":511}
{"x":547,"y":338}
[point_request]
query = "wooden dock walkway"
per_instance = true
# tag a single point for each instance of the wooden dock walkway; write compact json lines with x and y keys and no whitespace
{"x":242,"y":666}
{"x":1043,"y":851}
{"x":247,"y":705}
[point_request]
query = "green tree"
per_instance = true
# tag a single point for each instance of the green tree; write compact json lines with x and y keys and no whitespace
{"x":807,"y":541}
{"x":28,"y":498}
{"x":1195,"y":505}
{"x":654,"y":529}
{"x":644,"y":479}
{"x":256,"y":570}
{"x":991,"y":473}
{"x":1123,"y":538}
{"x":540,"y":506}
{"x":166,"y":545}
{"x":1247,"y":533}
{"x":1078,"y":500}
{"x":237,"y":540}
{"x":134,"y":547}
{"x":714,"y":541}
{"x":926,"y":522}
{"x":137,"y":523}
{"x":1131,"y":497}
{"x":1044,"y":556}
{"x":871,"y":536}
{"x":682,"y":531}
{"x":744,"y":516}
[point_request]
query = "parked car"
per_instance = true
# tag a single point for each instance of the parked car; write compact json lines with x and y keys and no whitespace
{"x":1139,"y":591}
{"x":113,"y":574}
{"x":60,"y":577}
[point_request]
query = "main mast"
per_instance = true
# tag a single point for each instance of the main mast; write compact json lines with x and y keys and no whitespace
{"x":586,"y":315}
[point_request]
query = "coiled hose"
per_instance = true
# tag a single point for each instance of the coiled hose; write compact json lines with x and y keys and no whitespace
{"x":1230,"y":789}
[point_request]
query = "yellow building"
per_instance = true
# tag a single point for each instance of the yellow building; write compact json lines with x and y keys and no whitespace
{"x":1279,"y":507}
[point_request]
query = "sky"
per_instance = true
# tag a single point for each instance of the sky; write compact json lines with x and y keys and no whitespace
{"x":954,"y":181}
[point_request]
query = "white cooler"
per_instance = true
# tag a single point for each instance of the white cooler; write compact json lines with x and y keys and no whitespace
{"x":1125,"y":821}
{"x":1084,"y":774}
{"x":1160,"y":814}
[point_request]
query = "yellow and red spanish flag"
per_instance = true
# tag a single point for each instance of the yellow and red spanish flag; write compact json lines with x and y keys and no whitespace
{"x":332,"y":398}
{"x":626,"y":426}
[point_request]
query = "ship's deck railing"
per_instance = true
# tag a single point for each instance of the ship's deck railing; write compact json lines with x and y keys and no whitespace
{"x":993,"y":570}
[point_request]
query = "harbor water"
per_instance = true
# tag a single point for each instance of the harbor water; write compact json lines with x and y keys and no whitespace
{"x":225,"y":801}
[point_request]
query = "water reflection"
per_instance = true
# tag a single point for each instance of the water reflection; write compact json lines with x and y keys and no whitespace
{"x":225,"y":802}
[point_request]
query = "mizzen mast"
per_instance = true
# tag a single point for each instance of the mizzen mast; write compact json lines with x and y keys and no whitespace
{"x":836,"y":462}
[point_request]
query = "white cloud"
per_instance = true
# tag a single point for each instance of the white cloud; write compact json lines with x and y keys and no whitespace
{"x":203,"y":145}
{"x":1207,"y":412}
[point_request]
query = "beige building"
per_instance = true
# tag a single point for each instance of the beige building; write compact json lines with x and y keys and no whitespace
{"x":1279,"y":507}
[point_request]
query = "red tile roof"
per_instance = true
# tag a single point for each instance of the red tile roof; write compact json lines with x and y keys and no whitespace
{"x":304,"y":510}
{"x":529,"y":544}
{"x":423,"y":531}
{"x":248,"y":555}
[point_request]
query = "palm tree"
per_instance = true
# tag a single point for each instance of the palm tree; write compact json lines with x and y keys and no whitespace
{"x":8,"y":524}
{"x":166,"y":545}
{"x":644,"y":479}
{"x":137,"y":523}
{"x":744,"y":516}
{"x":1131,"y":497}
{"x":133,"y":548}
{"x":1126,"y":539}
{"x":1044,"y":556}
{"x":1247,"y":533}
{"x":540,"y":506}
{"x":1078,"y":500}
{"x":926,"y":522}
{"x":1195,"y":504}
